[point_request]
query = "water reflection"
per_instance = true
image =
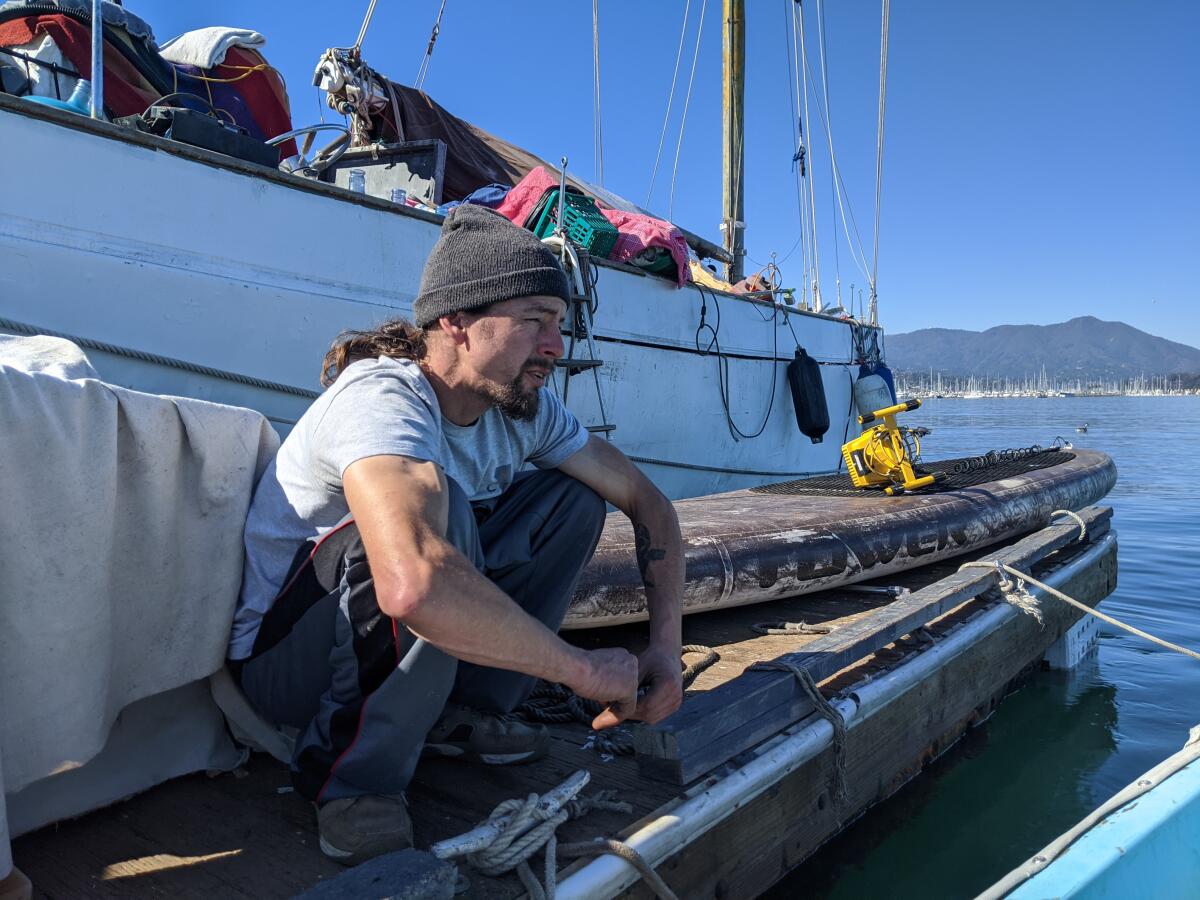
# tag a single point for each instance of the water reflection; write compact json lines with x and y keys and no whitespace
{"x":1017,"y":769}
{"x":1065,"y":742}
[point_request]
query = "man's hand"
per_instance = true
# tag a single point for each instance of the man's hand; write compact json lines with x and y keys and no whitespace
{"x":660,"y":674}
{"x":610,"y":677}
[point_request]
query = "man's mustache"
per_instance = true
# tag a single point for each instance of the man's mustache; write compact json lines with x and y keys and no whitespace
{"x":538,"y":365}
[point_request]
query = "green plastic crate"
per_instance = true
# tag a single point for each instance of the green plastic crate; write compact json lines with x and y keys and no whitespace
{"x":585,"y":225}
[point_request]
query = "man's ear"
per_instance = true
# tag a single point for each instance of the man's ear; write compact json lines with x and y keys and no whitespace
{"x":454,"y":326}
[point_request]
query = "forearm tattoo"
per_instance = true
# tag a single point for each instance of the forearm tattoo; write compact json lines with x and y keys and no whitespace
{"x":645,"y":553}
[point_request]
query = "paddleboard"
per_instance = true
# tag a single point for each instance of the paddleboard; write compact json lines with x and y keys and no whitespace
{"x":761,"y":544}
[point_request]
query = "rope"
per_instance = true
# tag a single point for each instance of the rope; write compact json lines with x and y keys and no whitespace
{"x":521,"y":828}
{"x":670,"y":99}
{"x":423,"y":69}
{"x":839,"y":193}
{"x":248,"y":71}
{"x":115,"y":350}
{"x":711,"y":657}
{"x":825,"y":710}
{"x":556,"y":704}
{"x":1008,"y":588}
{"x":1078,"y":519}
{"x":883,"y":55}
{"x":779,"y":626}
{"x":724,"y":385}
{"x":686,"y":103}
{"x":802,"y":64}
{"x":600,"y":846}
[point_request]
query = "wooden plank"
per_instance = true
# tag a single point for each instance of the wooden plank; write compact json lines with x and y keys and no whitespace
{"x":721,"y":723}
{"x":771,"y":835}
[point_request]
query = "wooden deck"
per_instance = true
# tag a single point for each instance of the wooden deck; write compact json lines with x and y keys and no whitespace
{"x":246,"y":834}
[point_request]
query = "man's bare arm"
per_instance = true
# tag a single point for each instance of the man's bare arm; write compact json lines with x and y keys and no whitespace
{"x":659,"y":550}
{"x":401,"y":508}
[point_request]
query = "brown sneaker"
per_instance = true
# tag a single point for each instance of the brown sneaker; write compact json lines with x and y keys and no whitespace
{"x":355,"y":829}
{"x":496,"y":740}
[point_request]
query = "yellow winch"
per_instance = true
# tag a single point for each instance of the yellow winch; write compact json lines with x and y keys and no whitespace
{"x":884,"y":455}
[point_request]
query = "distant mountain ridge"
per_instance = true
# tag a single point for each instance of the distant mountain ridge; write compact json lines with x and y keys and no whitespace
{"x":1085,"y":347}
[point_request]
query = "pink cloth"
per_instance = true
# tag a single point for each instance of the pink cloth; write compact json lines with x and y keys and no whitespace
{"x":519,"y":202}
{"x":637,"y":231}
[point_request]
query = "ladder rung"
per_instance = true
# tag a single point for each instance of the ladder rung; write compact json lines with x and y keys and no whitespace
{"x":601,"y":429}
{"x":578,"y":363}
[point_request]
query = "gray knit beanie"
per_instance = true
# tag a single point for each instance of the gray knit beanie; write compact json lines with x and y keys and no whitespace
{"x":482,"y":258}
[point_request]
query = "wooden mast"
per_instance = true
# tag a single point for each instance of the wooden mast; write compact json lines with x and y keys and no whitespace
{"x":733,"y":96}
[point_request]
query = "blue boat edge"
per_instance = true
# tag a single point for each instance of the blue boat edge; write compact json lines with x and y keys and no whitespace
{"x":1144,"y":834}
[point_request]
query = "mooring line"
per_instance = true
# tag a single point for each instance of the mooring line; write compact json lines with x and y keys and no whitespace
{"x":1020,"y":597}
{"x":827,"y":711}
{"x":1008,"y":588}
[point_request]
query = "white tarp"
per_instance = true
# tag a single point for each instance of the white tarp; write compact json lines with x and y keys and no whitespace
{"x":120,"y":555}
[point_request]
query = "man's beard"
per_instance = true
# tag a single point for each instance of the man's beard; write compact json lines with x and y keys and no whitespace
{"x":514,"y":399}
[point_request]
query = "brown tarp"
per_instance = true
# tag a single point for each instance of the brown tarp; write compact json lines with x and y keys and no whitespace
{"x":475,"y":158}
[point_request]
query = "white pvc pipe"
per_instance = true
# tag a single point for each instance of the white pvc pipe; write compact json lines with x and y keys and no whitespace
{"x":97,"y":59}
{"x":607,"y":876}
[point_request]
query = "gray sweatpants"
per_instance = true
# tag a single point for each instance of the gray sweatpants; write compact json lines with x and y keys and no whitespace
{"x":364,"y":690}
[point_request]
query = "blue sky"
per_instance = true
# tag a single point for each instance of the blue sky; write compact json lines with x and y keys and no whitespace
{"x":1040,"y":162}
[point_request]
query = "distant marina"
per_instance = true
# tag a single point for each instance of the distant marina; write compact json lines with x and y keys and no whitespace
{"x":938,"y":386}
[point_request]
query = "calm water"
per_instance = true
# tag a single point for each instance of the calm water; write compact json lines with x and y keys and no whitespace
{"x":1065,"y":742}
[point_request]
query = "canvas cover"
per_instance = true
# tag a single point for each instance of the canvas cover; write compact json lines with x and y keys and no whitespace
{"x":120,"y":565}
{"x":475,"y":157}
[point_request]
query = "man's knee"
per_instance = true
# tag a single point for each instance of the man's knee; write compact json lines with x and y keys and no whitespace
{"x":588,"y":506}
{"x":461,"y":529}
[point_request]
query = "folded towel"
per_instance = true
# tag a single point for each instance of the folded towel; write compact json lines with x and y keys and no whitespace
{"x":206,"y":47}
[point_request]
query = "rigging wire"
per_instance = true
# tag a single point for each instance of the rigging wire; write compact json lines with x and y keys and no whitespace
{"x":423,"y":69}
{"x":799,"y":161}
{"x":686,"y":103}
{"x":838,"y":185}
{"x":597,"y":126}
{"x":883,"y":55}
{"x":806,"y":229}
{"x":802,"y":43}
{"x":834,"y":199}
{"x":670,"y":99}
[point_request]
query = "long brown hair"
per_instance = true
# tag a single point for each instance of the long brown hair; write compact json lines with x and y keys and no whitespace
{"x":397,"y":338}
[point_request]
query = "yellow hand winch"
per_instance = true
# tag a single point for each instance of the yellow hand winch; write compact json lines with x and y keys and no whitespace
{"x":884,"y":455}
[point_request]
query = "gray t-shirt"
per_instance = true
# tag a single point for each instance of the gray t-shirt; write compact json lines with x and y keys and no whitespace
{"x":378,"y":407}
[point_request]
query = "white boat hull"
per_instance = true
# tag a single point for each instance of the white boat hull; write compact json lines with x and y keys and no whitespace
{"x":184,"y":273}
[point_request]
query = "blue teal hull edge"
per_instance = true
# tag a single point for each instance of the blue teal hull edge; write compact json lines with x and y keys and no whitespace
{"x":1148,"y":847}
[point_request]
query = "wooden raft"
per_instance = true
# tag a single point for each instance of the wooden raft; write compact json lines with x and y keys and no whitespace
{"x":248,"y":835}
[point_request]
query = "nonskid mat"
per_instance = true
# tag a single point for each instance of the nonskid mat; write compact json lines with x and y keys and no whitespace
{"x":953,"y":474}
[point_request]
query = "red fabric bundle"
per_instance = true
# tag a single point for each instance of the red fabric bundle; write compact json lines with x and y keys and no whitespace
{"x":126,"y":91}
{"x":636,"y":231}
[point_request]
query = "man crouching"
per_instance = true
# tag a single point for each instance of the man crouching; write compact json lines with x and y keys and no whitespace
{"x":406,"y":574}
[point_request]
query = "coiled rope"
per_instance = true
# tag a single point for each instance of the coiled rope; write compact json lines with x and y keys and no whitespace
{"x":517,"y":829}
{"x":1018,"y":594}
{"x":996,"y":457}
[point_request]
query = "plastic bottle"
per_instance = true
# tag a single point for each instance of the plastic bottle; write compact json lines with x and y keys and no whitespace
{"x":400,"y":196}
{"x":358,"y":181}
{"x":79,"y":102}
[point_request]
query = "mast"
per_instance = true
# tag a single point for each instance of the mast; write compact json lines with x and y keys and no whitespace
{"x":733,"y":96}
